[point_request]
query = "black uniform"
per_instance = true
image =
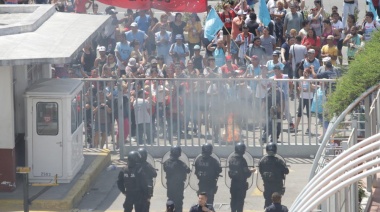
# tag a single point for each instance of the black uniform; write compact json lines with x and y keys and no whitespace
{"x":129,"y":183}
{"x":149,"y":173}
{"x":207,"y":170}
{"x":276,"y":207}
{"x":273,"y":171}
{"x":198,"y":208}
{"x":239,"y":173}
{"x":176,"y":174}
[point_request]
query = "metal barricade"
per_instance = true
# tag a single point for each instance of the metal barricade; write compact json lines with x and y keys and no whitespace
{"x":191,"y":111}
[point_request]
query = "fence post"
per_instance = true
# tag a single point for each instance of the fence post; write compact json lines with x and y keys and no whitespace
{"x":274,"y":113}
{"x":120,"y":116}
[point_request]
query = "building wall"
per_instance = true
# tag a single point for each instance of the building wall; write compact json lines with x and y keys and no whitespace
{"x":7,"y":131}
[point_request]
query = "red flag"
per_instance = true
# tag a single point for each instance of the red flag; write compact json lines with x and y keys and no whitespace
{"x":165,"y":5}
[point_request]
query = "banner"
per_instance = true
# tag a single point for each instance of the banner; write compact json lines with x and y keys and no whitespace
{"x":213,"y":24}
{"x":196,"y":6}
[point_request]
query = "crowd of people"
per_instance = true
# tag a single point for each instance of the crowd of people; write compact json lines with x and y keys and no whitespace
{"x":141,"y":48}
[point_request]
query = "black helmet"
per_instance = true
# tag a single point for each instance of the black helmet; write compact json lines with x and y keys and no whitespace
{"x":240,"y":148}
{"x":271,"y":149}
{"x":143,"y":153}
{"x":175,"y":151}
{"x":133,"y":158}
{"x":207,"y":149}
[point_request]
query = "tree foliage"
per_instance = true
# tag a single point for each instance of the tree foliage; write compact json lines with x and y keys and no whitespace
{"x":363,"y":73}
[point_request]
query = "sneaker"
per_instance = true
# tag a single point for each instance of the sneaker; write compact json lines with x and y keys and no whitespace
{"x":291,"y":128}
{"x":307,"y":132}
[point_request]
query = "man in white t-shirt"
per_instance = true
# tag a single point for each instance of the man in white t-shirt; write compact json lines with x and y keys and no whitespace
{"x":142,"y":110}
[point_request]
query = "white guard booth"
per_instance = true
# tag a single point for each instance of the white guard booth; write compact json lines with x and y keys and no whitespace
{"x":54,"y":131}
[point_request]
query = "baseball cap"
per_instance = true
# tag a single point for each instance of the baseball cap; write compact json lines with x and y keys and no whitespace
{"x":178,"y":37}
{"x":326,"y":59}
{"x":153,"y":61}
{"x":330,"y":37}
{"x":254,"y":57}
{"x":276,"y":53}
{"x":134,"y":24}
{"x":197,"y":47}
{"x":311,"y":51}
{"x":101,"y":48}
{"x":241,"y":12}
{"x":112,"y":11}
{"x":132,"y":62}
{"x":228,"y":58}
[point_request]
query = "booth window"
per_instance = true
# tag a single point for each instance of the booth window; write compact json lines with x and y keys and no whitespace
{"x":47,"y":118}
{"x":76,"y":112}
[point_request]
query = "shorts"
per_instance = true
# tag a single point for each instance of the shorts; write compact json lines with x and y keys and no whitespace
{"x":234,"y":47}
{"x":102,"y":127}
{"x":226,"y":31}
{"x":340,"y":44}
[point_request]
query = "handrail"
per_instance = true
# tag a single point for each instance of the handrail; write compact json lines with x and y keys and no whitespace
{"x":332,"y":190}
{"x":337,"y":121}
{"x":324,"y":183}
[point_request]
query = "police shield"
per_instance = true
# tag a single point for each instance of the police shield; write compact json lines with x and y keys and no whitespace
{"x":259,"y":179}
{"x":250,"y":162}
{"x":183,"y":158}
{"x":150,"y":160}
{"x":193,"y":181}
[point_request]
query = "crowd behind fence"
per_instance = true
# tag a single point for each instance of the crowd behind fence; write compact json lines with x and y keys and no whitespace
{"x":190,"y":112}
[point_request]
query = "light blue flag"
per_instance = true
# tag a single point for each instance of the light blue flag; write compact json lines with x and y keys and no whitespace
{"x":264,"y":15}
{"x":372,"y":9}
{"x":213,"y":24}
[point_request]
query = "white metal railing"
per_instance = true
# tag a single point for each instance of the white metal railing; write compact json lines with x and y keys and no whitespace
{"x":352,"y":165}
{"x":324,"y":161}
{"x":192,"y":111}
{"x":335,"y":122}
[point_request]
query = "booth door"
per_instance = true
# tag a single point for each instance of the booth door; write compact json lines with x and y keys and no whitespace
{"x":47,"y":138}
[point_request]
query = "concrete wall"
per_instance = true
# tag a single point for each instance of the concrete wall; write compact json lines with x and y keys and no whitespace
{"x":7,"y":129}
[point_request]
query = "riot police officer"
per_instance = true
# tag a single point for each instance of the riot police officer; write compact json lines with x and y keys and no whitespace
{"x":239,"y":173}
{"x":273,"y":171}
{"x":207,"y":170}
{"x":130,"y":184}
{"x":149,"y":173}
{"x":176,"y":174}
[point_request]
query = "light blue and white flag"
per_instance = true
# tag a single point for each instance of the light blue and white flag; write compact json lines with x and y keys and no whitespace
{"x":213,"y":24}
{"x":373,"y":10}
{"x":264,"y":15}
